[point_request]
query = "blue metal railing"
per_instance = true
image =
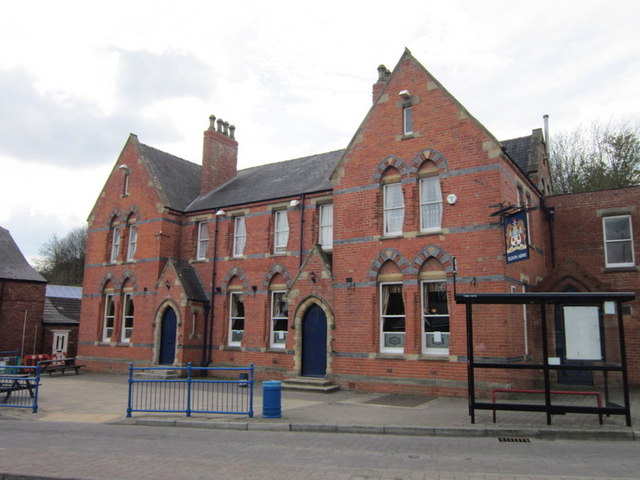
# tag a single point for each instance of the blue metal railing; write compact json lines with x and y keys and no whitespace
{"x":19,"y":387}
{"x":191,"y":393}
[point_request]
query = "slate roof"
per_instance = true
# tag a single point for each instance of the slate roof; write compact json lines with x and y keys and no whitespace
{"x":519,"y":151}
{"x":13,"y":265}
{"x":190,"y":281}
{"x":274,"y":180}
{"x":178,"y":179}
{"x":62,"y":305}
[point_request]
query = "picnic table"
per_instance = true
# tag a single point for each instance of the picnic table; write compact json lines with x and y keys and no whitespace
{"x":13,"y":383}
{"x":60,"y":365}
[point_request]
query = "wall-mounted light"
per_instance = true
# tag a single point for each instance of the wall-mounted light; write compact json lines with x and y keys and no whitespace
{"x":124,"y":167}
{"x":220,"y":213}
{"x":452,"y":198}
{"x":218,"y":290}
{"x":254,"y":288}
{"x":294,"y":203}
{"x":312,"y":276}
{"x":404,"y":94}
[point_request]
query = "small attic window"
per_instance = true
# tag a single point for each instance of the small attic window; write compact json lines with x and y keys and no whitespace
{"x":125,"y":182}
{"x":407,"y":119}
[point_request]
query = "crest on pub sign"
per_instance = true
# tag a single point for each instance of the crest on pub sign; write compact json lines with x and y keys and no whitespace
{"x":515,"y":234}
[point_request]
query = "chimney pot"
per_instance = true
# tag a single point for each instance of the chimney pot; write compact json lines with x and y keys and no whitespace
{"x":212,"y":122}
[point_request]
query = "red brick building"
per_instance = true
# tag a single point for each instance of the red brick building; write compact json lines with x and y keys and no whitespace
{"x":22,"y":292}
{"x":336,"y":266}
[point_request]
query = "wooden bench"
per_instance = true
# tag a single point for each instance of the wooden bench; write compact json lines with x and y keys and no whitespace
{"x":552,"y":392}
{"x":60,"y":365}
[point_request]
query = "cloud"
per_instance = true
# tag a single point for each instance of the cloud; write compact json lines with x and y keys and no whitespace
{"x":51,"y":128}
{"x":145,"y":77}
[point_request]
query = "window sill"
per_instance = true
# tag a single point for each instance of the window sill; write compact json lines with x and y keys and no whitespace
{"x":272,"y":349}
{"x":439,"y":231}
{"x":234,"y":348}
{"x":620,"y":269}
{"x":407,"y":136}
{"x":389,"y":356}
{"x":436,"y":357}
{"x":392,"y":237}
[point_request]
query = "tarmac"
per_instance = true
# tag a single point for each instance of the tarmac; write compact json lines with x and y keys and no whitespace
{"x":102,"y":398}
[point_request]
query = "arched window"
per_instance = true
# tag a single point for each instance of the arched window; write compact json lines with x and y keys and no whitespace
{"x":436,"y":329}
{"x":236,"y":313}
{"x":392,"y":309}
{"x":393,"y":202}
{"x":430,"y":198}
{"x":127,"y":313}
{"x":109,"y":314}
{"x":132,"y":236}
{"x":116,"y":233}
{"x":279,"y":312}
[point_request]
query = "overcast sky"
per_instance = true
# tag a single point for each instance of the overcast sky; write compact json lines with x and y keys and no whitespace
{"x":76,"y":77}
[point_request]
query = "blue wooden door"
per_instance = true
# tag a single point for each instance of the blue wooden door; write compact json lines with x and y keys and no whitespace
{"x":314,"y":343}
{"x":168,"y":338}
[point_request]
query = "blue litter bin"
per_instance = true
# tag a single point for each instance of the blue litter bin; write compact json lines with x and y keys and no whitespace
{"x":271,"y":399}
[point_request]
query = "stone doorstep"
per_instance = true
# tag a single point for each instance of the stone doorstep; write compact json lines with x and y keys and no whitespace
{"x":156,"y":374}
{"x":310,"y":384}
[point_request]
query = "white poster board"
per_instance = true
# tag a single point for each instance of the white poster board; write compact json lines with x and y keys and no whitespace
{"x":582,"y":333}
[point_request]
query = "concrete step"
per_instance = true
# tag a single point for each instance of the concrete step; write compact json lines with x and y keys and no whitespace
{"x":310,"y":384}
{"x":160,"y":374}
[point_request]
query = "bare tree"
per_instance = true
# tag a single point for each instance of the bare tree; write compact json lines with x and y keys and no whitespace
{"x":602,"y":156}
{"x":62,"y":259}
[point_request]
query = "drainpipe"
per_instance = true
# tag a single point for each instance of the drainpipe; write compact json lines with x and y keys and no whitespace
{"x":209,"y":340}
{"x":301,"y":228}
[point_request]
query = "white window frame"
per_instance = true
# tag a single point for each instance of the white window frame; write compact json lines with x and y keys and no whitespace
{"x":115,"y":244}
{"x":427,"y":203}
{"x":239,"y":236}
{"x":407,"y":119}
{"x":235,"y":334}
{"x":444,"y":337}
{"x":399,"y":336}
{"x":109,"y":317}
{"x":608,"y":242}
{"x":280,"y":231}
{"x":133,"y":242}
{"x":125,"y":189}
{"x":391,"y":209}
{"x":127,"y":317}
{"x":325,"y":226}
{"x":203,"y":240}
{"x":278,"y":338}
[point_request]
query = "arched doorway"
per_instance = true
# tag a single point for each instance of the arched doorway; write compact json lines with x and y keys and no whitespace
{"x":314,"y":343}
{"x":168,"y":337}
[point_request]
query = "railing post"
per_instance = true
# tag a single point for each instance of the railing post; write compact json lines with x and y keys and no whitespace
{"x":35,"y":395}
{"x":251,"y":391}
{"x":130,"y":396}
{"x":188,"y":389}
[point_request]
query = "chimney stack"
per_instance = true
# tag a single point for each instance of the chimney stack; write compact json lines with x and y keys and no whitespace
{"x":219,"y":155}
{"x":547,"y":144}
{"x":383,"y":76}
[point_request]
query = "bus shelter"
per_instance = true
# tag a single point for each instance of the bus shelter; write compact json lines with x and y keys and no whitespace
{"x":572,"y":338}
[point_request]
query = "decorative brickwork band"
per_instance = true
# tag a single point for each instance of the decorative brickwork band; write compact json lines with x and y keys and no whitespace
{"x":389,"y":254}
{"x":273,"y":271}
{"x":394,"y":162}
{"x":430,"y":154}
{"x":235,"y":272}
{"x":436,"y":252}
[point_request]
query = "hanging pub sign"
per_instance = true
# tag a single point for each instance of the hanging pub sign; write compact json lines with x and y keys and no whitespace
{"x":515,"y":235}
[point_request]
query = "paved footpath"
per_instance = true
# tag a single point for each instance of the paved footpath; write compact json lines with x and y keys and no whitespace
{"x":102,"y":398}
